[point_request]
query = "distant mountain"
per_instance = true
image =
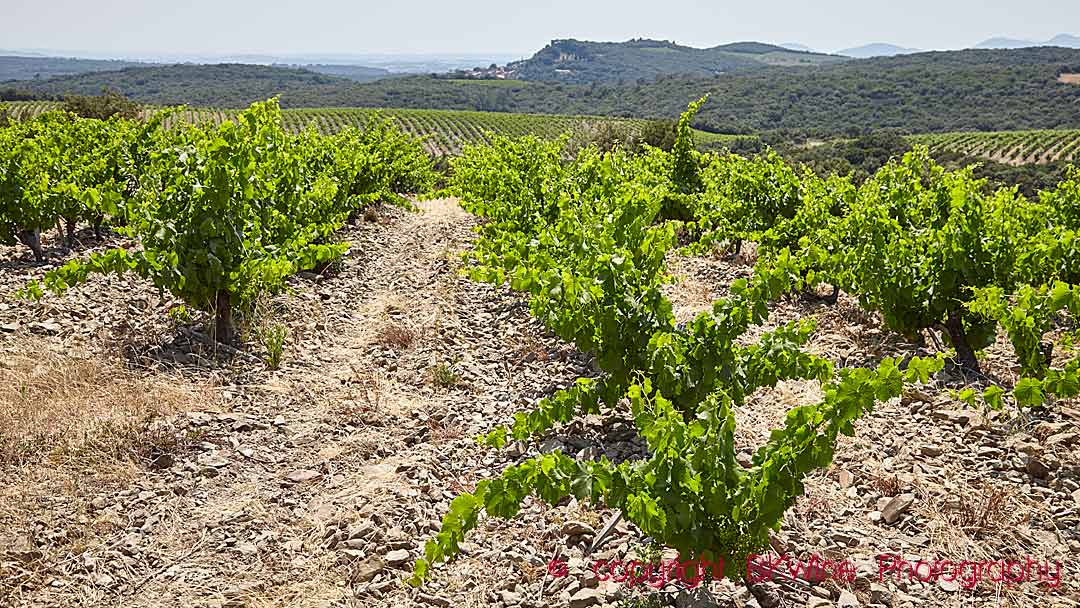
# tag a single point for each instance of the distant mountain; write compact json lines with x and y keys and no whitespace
{"x":876,"y":49}
{"x":578,"y":61}
{"x":1064,"y":40}
{"x":795,"y":46}
{"x":1005,"y":43}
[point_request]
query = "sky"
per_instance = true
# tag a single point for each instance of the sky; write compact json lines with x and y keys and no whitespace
{"x":205,"y":27}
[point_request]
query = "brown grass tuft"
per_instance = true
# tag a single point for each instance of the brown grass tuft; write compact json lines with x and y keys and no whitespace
{"x":59,"y":408}
{"x":397,"y":336}
{"x":979,"y":512}
{"x":441,"y":433}
{"x":371,"y":214}
{"x":886,"y":484}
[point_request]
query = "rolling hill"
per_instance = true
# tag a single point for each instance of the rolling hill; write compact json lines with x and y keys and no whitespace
{"x":14,"y":67}
{"x":19,"y":67}
{"x":973,"y":90}
{"x":578,"y":61}
{"x":220,"y":85}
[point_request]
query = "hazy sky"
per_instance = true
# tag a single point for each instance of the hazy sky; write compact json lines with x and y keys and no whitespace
{"x":489,"y":26}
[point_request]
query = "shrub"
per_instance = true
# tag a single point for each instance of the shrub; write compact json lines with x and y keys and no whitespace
{"x":102,"y":107}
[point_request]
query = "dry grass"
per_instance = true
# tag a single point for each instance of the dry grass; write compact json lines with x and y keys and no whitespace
{"x":886,"y":484}
{"x":397,"y":336}
{"x":375,"y":214}
{"x":441,"y":433}
{"x":58,"y":408}
{"x":978,"y":513}
{"x":73,"y":428}
{"x":1069,"y":78}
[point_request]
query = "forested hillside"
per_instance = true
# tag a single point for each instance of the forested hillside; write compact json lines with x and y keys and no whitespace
{"x":578,"y":61}
{"x":223,"y":85}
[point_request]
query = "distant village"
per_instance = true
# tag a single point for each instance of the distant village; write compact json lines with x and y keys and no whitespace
{"x":492,"y":72}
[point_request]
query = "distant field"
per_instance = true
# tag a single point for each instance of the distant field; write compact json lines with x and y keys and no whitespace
{"x":1069,"y":78}
{"x":1008,"y":147}
{"x":446,"y":131}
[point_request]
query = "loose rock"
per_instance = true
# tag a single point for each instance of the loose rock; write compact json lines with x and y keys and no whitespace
{"x":897,"y":507}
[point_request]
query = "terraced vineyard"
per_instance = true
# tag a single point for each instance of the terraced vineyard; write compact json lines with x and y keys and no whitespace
{"x":445,"y":131}
{"x":1009,"y":147}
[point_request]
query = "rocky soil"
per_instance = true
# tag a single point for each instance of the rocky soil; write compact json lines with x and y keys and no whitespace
{"x":316,"y":484}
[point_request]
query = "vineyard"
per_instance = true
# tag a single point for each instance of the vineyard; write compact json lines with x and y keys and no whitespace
{"x":1008,"y":147}
{"x":248,"y":363}
{"x":448,"y":132}
{"x":445,"y":132}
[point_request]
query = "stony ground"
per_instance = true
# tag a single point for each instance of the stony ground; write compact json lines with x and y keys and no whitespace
{"x":140,"y":467}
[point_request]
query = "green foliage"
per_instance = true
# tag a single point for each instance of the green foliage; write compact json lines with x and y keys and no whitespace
{"x":583,"y":240}
{"x":221,"y":213}
{"x":58,"y":166}
{"x":370,"y":165}
{"x":447,"y":132}
{"x":1026,"y":318}
{"x":604,"y":135}
{"x":272,"y":336}
{"x":1007,"y":147}
{"x":917,"y":239}
{"x":927,"y":247}
{"x":742,"y":198}
{"x":684,"y":155}
{"x":404,"y":166}
{"x":857,"y":158}
{"x":1064,"y":200}
{"x":25,"y":208}
{"x":444,"y":375}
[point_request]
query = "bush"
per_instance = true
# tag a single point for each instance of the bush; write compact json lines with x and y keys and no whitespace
{"x":605,"y":135}
{"x":659,"y":134}
{"x":102,"y":107}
